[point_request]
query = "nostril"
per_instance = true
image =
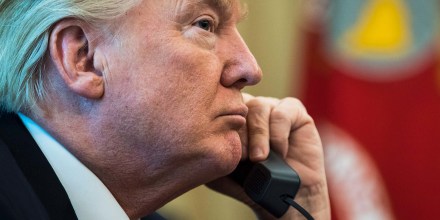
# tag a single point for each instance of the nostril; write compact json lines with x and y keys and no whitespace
{"x":242,"y":81}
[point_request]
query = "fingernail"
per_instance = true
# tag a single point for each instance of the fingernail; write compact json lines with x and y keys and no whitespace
{"x":257,"y":153}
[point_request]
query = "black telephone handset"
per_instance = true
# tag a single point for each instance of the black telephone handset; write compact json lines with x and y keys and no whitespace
{"x":271,"y":183}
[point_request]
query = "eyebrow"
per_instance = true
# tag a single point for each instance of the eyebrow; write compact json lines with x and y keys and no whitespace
{"x":224,"y":8}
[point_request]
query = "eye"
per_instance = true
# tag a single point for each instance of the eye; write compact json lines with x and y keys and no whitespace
{"x":205,"y":24}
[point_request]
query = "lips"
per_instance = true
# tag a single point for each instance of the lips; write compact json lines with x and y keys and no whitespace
{"x":233,"y":117}
{"x":239,"y":111}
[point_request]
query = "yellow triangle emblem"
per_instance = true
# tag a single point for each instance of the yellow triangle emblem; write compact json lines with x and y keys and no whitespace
{"x":383,"y":29}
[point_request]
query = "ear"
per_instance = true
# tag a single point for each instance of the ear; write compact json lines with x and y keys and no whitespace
{"x":73,"y":56}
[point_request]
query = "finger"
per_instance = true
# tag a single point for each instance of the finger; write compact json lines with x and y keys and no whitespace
{"x":258,"y":127}
{"x":244,"y":142}
{"x":305,"y":147}
{"x":281,"y":125}
{"x":243,"y":133}
{"x":247,"y":97}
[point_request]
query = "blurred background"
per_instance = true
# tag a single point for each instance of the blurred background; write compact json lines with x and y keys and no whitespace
{"x":368,"y":72}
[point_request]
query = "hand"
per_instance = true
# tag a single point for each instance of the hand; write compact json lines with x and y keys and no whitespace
{"x":285,"y":126}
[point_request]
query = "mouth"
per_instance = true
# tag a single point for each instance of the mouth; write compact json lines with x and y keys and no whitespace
{"x":234,"y":117}
{"x":237,"y":111}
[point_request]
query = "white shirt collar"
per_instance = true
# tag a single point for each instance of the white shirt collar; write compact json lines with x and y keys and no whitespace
{"x":90,"y":198}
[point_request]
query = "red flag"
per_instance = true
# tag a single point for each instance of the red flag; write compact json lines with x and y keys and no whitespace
{"x":372,"y":84}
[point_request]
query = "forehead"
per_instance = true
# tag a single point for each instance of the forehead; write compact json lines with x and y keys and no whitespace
{"x":221,"y":4}
{"x":149,"y":12}
{"x":227,"y":8}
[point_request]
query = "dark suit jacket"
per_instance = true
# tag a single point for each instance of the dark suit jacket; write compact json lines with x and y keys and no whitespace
{"x":29,"y":188}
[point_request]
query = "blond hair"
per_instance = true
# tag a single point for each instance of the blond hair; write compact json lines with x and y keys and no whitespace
{"x":25,"y":26}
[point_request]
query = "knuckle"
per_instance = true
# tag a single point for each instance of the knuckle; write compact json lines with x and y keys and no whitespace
{"x":279,"y":115}
{"x":255,"y":108}
{"x":294,"y":102}
{"x":262,"y":102}
{"x":257,"y":131}
{"x":279,"y":139}
{"x":256,"y":102}
{"x":296,"y":105}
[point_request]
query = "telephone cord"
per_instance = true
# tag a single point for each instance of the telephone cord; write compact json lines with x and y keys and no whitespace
{"x":289,"y":200}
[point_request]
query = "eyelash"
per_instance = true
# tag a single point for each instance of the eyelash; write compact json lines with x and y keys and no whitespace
{"x":201,"y":23}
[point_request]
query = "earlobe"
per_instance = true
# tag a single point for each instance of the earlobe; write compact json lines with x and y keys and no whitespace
{"x":73,"y":57}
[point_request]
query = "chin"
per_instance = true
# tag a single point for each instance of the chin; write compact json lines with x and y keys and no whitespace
{"x":225,"y":154}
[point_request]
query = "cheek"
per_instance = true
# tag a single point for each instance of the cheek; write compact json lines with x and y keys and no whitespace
{"x":189,"y":74}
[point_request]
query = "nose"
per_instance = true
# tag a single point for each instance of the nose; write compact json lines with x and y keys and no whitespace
{"x":240,"y":66}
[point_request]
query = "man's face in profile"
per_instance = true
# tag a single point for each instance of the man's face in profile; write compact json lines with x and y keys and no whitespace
{"x":176,"y":68}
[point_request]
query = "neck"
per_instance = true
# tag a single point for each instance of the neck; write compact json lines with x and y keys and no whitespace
{"x":145,"y":189}
{"x":141,"y":177}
